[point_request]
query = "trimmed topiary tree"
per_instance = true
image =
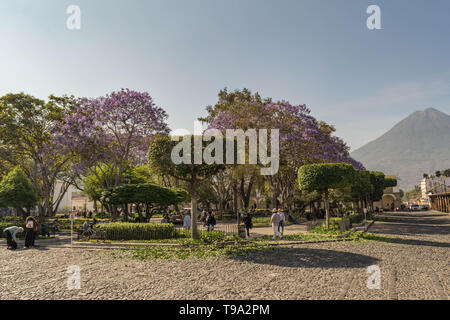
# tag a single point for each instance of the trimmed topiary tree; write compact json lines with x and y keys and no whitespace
{"x":390,"y":182}
{"x":361,"y":187}
{"x":377,"y":181}
{"x":322,"y":177}
{"x":160,"y":153}
{"x":147,"y":194}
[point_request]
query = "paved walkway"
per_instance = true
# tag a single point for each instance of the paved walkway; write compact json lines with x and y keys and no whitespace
{"x":413,"y":260}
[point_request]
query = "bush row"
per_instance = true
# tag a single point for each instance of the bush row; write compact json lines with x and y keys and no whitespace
{"x":136,"y":231}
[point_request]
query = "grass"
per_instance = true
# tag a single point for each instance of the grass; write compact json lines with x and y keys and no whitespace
{"x":297,"y":237}
{"x":333,"y":229}
{"x":375,"y":237}
{"x":220,"y":246}
{"x":199,"y":251}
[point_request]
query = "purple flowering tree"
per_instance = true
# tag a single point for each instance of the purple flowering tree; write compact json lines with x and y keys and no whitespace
{"x":108,"y":134}
{"x":303,"y":139}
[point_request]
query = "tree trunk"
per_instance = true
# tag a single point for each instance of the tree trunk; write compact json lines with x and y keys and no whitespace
{"x":235,"y":201}
{"x":125,"y":212}
{"x":327,"y":210}
{"x":194,"y":231}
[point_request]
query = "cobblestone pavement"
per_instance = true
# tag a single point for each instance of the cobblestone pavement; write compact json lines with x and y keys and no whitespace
{"x":416,"y":266}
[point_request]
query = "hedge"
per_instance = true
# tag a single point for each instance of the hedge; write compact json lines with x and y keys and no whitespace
{"x":135,"y":231}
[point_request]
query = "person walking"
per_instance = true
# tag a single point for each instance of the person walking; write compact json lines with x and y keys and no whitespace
{"x":248,"y":223}
{"x":282,"y":220}
{"x":187,"y":222}
{"x":29,"y":231}
{"x":210,"y":222}
{"x":10,"y":234}
{"x":275,"y":221}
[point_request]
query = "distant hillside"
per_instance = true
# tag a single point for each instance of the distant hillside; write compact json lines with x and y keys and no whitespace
{"x":416,"y":145}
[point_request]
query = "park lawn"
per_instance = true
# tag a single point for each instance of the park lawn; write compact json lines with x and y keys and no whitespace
{"x":218,"y":247}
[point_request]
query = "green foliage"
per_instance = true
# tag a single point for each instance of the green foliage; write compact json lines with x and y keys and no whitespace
{"x":26,"y":125}
{"x":324,"y":176}
{"x":160,"y":160}
{"x":361,"y":186}
{"x":333,"y":228}
{"x":143,"y":193}
{"x":377,"y":180}
{"x":390,"y":182}
{"x":199,"y":251}
{"x":140,"y":174}
{"x":17,"y":191}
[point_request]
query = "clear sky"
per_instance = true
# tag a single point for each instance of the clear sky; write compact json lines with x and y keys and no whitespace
{"x":317,"y":52}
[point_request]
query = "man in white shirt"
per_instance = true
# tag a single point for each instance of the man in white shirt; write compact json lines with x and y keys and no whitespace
{"x":187,"y":222}
{"x":275,"y":221}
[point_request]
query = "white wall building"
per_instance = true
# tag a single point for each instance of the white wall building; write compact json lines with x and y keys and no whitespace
{"x":66,"y":201}
{"x":73,"y":199}
{"x":434,"y":185}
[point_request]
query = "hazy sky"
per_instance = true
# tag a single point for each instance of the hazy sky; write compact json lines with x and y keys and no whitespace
{"x":317,"y":52}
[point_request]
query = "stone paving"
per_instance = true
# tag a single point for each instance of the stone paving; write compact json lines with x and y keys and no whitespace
{"x":416,"y":266}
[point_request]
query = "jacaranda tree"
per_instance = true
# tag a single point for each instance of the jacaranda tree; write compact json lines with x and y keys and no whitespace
{"x":303,"y":139}
{"x":111,"y":133}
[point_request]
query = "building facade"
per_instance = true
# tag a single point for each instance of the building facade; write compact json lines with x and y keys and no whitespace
{"x":433,"y":185}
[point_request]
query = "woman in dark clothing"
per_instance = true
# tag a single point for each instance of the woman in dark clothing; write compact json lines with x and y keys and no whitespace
{"x":248,"y":223}
{"x":210,"y":222}
{"x":29,"y":234}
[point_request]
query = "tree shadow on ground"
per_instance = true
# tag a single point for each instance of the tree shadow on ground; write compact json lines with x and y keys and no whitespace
{"x":414,"y":242}
{"x":402,"y":228}
{"x":309,"y":258}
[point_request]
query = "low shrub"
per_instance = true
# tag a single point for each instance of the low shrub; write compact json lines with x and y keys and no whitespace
{"x":10,"y":218}
{"x":322,"y":229}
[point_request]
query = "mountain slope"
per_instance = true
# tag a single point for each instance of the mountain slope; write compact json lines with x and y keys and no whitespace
{"x":418,"y":144}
